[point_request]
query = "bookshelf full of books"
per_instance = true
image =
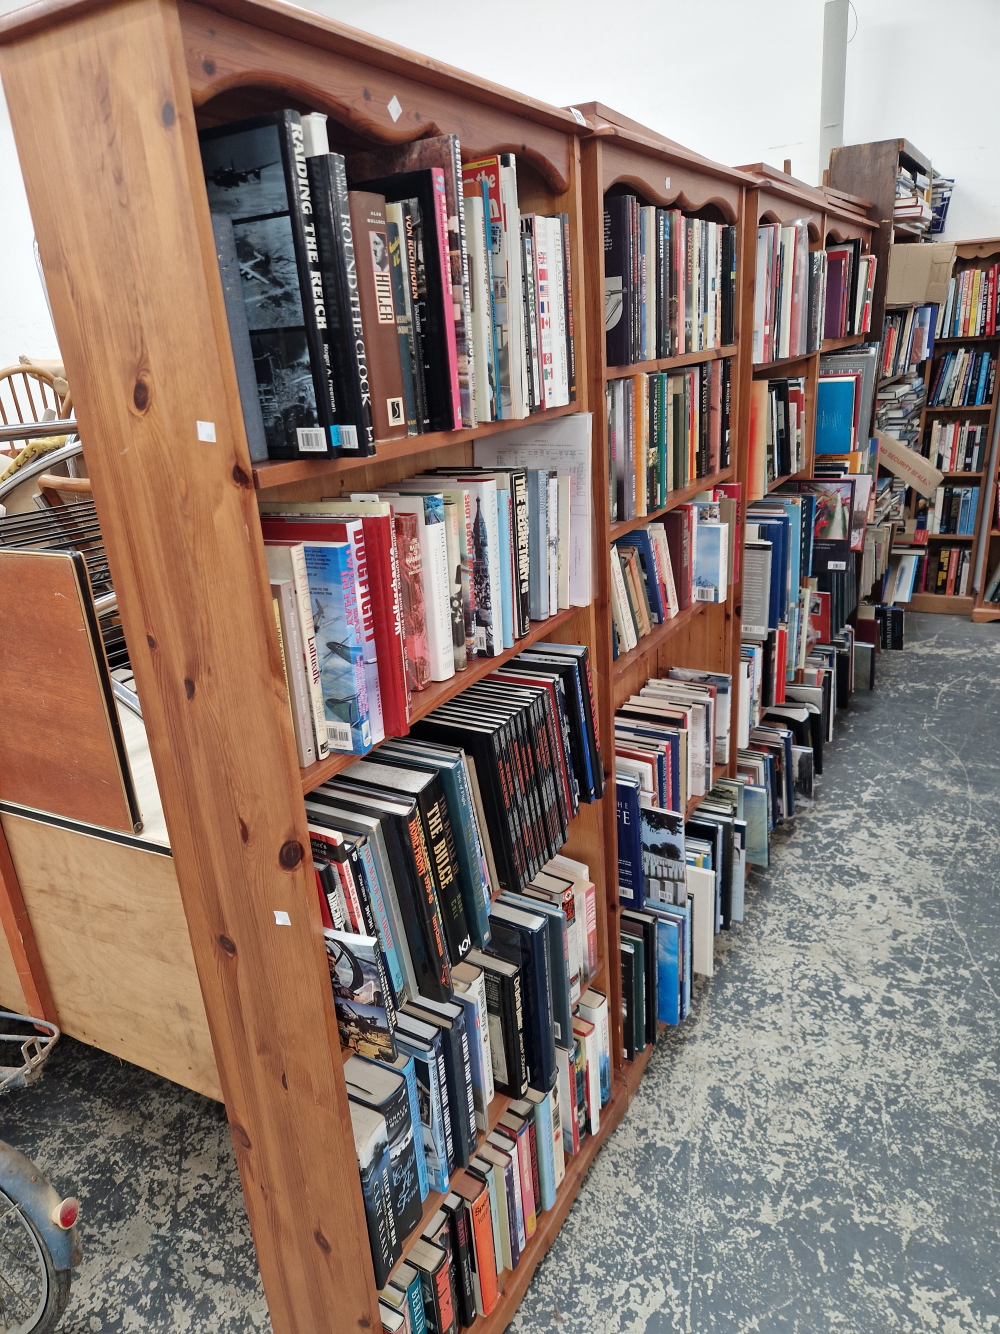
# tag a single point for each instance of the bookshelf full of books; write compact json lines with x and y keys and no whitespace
{"x":327,"y":334}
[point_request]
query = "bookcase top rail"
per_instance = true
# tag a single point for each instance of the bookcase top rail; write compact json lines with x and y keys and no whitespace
{"x":769,"y":181}
{"x":667,"y":150}
{"x":288,"y":20}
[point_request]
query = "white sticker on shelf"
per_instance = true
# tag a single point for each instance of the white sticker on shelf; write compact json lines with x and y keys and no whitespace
{"x":578,"y":116}
{"x":666,"y":182}
{"x":395,"y":109}
{"x":281,"y":918}
{"x":206,"y":431}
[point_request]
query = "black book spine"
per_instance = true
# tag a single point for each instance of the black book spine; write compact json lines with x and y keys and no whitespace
{"x":444,"y":870}
{"x":352,"y":308}
{"x":590,"y":708}
{"x":460,"y":1241}
{"x":524,"y":795}
{"x":703,"y":423}
{"x":430,"y":908}
{"x":303,"y":219}
{"x":468,"y":1108}
{"x":628,"y":992}
{"x":727,"y":403}
{"x":512,"y":1020}
{"x":239,"y":334}
{"x":617,"y":281}
{"x":636,"y":305}
{"x":417,"y":305}
{"x":568,"y":302}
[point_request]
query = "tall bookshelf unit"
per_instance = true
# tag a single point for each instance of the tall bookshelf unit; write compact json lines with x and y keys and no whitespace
{"x":106,"y":101}
{"x":870,"y":170}
{"x":776,"y":197}
{"x":621,"y":155}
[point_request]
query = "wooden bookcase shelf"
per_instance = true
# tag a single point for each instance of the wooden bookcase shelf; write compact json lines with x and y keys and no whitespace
{"x":670,"y":363}
{"x":621,"y":153}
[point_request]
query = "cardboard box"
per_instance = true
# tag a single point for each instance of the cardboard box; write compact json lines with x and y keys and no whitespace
{"x":913,"y":468}
{"x":919,"y":273}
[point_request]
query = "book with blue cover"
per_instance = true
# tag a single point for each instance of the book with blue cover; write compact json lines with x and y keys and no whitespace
{"x":641,"y":541}
{"x":558,"y":953}
{"x":835,"y":414}
{"x":337,"y":623}
{"x":711,"y":562}
{"x":668,"y":963}
{"x":435,"y":1122}
{"x":366,"y":1016}
{"x":405,"y":1065}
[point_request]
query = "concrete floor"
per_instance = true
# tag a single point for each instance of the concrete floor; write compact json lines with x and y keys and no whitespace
{"x":815,"y":1150}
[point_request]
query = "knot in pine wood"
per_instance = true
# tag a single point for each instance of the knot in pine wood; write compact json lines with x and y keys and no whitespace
{"x":239,"y":1135}
{"x":290,"y":854}
{"x":228,"y":946}
{"x":168,"y":114}
{"x":140,"y":394}
{"x":321,"y":1242}
{"x":240,"y":477}
{"x":208,"y":66}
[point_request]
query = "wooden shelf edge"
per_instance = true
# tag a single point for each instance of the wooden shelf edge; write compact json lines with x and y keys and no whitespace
{"x":657,"y":638}
{"x":849,"y":340}
{"x":973,"y":407}
{"x":515,"y":1284}
{"x":279,"y":472}
{"x":671,"y":363}
{"x":969,"y":338}
{"x":982,"y":614}
{"x":766,"y":367}
{"x":678,"y":497}
{"x":942,"y":603}
{"x":948,"y":537}
{"x":426,"y":701}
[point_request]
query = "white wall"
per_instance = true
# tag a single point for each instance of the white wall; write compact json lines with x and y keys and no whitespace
{"x":738,"y":80}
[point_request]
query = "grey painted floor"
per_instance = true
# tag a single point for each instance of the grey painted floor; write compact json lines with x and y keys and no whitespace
{"x":816,"y":1150}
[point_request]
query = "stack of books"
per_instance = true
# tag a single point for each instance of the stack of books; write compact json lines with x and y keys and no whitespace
{"x":377,"y":595}
{"x":913,"y":198}
{"x":942,"y":189}
{"x":669,"y":282}
{"x":970,"y":308}
{"x":844,"y":400}
{"x":951,"y":509}
{"x":898,"y":408}
{"x":963,"y":378}
{"x":682,"y":842}
{"x":666,"y":430}
{"x":392,"y":293}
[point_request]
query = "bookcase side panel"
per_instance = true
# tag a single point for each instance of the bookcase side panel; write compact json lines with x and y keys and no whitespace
{"x":104,"y":125}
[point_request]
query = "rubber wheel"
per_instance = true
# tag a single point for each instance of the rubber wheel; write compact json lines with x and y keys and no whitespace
{"x":58,"y":1280}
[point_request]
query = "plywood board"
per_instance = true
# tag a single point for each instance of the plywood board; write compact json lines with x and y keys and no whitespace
{"x":114,"y":943}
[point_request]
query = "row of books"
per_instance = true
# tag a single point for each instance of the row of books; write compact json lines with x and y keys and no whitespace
{"x":963,"y":378}
{"x":776,"y":442}
{"x":956,"y":446}
{"x":664,"y":431}
{"x":970,"y":308}
{"x":802,"y":296}
{"x":944,"y":570}
{"x":898,"y":408}
{"x":907,"y":339}
{"x":951,"y":509}
{"x":669,"y":282}
{"x":379,"y":594}
{"x":417,"y":300}
{"x":660,"y":569}
{"x":523,"y":1024}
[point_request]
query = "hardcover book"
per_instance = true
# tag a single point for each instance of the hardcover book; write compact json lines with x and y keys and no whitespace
{"x":365,"y":1013}
{"x":371,"y":1145}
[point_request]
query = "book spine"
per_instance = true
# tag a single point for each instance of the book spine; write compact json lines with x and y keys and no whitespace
{"x":568,"y":299}
{"x":404,"y":318}
{"x":300,"y":579}
{"x":429,"y":903}
{"x":359,"y":356}
{"x":440,"y":222}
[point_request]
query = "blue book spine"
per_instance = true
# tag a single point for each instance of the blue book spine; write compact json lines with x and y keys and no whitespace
{"x":432,"y":1115}
{"x":630,"y":877}
{"x":668,"y":970}
{"x":546,"y":1155}
{"x":834,"y":416}
{"x":337,"y":621}
{"x":409,"y":1074}
{"x":475,"y":1046}
{"x":389,"y":949}
{"x":506,"y":581}
{"x":415,"y":1305}
{"x":644,"y":546}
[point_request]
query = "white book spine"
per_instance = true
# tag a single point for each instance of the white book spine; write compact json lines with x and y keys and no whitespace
{"x":558,"y":277}
{"x":516,"y":332}
{"x":565,"y":537}
{"x":293,"y":566}
{"x":552,"y":517}
{"x":482,"y":332}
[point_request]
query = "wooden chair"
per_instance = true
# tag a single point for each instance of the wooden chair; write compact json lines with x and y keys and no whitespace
{"x":27,"y":393}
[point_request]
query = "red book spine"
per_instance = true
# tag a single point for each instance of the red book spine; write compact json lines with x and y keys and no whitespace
{"x":450,"y":309}
{"x":477,"y":1205}
{"x":412,"y":606}
{"x":386,"y":597}
{"x":952,"y":567}
{"x":991,"y":302}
